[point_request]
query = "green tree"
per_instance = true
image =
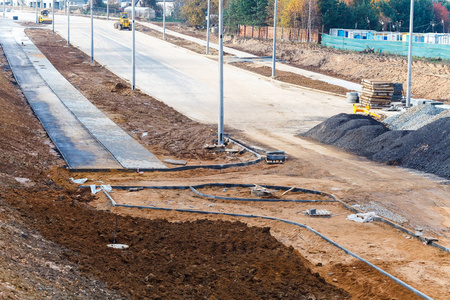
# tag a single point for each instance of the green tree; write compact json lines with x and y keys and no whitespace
{"x":365,"y":14}
{"x":335,"y":14}
{"x":247,"y":12}
{"x":398,"y":11}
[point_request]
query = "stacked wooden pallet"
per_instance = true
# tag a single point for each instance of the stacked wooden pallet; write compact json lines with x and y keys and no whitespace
{"x":376,"y":93}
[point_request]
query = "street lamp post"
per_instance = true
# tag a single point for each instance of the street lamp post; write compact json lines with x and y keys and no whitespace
{"x":92,"y":32}
{"x":36,"y":11}
{"x":411,"y":30}
{"x":164,"y":20}
{"x":107,"y":10}
{"x":274,"y":51}
{"x":133,"y":52}
{"x":53,"y":16}
{"x":68,"y":23}
{"x":220,"y":123}
{"x":207,"y":27}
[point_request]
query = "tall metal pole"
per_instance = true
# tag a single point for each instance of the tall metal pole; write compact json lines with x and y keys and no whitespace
{"x":207,"y":27}
{"x":53,"y":16}
{"x":411,"y":24}
{"x":133,"y":55}
{"x":68,"y":23}
{"x":274,"y":51}
{"x":309,"y":21}
{"x":92,"y":32}
{"x":220,"y":123}
{"x":36,"y":12}
{"x":4,"y":9}
{"x":107,"y":10}
{"x":164,"y":20}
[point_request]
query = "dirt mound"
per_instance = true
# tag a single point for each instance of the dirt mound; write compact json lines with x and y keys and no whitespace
{"x":201,"y":259}
{"x":416,"y":117}
{"x":425,"y":149}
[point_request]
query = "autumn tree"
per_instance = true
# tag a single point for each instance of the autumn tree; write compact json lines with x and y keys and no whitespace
{"x":194,"y":11}
{"x":441,"y":14}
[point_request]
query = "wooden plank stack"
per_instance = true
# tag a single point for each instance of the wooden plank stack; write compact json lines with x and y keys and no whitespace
{"x":376,"y":93}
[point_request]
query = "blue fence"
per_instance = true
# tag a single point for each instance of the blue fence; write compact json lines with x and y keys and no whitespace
{"x":419,"y":49}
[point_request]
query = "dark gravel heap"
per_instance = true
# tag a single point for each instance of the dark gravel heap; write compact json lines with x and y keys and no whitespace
{"x":426,"y":149}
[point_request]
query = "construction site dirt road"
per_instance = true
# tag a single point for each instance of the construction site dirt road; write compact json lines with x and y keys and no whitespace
{"x":46,"y":204}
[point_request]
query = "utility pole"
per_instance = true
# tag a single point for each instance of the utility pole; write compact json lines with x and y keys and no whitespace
{"x":68,"y":23}
{"x":4,"y":9}
{"x":36,"y":11}
{"x":411,"y":30}
{"x":207,"y":27}
{"x":53,"y":16}
{"x":309,"y":21}
{"x":107,"y":10}
{"x":164,"y":20}
{"x":133,"y":51}
{"x":92,"y":32}
{"x":220,"y":123}
{"x":274,"y":50}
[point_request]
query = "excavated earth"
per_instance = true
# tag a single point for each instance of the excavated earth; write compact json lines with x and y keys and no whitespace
{"x":53,"y":244}
{"x":54,"y":235}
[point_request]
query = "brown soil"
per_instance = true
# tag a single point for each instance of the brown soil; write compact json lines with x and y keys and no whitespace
{"x":292,"y":78}
{"x":52,"y":244}
{"x":180,"y":255}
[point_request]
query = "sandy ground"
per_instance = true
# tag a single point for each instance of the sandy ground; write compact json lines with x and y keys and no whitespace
{"x":421,"y":201}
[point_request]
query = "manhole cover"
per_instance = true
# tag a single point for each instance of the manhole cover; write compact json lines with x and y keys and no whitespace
{"x":117,"y":246}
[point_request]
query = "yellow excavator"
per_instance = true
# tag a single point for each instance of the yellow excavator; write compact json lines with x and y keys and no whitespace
{"x":44,"y":18}
{"x":124,"y":22}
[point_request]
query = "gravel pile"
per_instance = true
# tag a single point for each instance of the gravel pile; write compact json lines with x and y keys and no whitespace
{"x":426,"y":149}
{"x":382,"y":211}
{"x":416,"y":117}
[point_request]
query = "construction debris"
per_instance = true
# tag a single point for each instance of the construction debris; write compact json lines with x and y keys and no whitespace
{"x":362,"y":217}
{"x":175,"y":162}
{"x":318,"y":212}
{"x":275,"y":157}
{"x":261,"y":192}
{"x":376,"y":93}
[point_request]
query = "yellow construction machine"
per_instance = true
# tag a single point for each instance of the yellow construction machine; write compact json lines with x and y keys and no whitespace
{"x":124,"y":22}
{"x":44,"y":18}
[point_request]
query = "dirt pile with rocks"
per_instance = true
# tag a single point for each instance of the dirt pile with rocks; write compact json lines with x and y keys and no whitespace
{"x":425,"y":149}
